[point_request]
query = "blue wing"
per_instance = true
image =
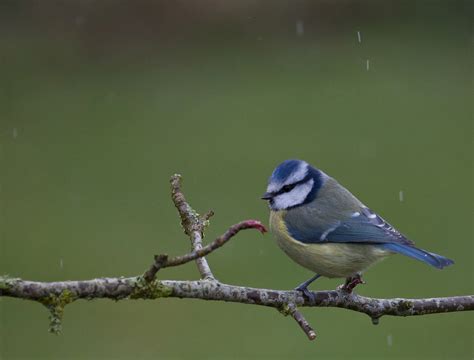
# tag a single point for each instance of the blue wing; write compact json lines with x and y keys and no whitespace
{"x":366,"y":227}
{"x":363,"y":226}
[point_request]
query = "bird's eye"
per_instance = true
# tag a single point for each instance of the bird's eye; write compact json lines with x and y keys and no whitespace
{"x":287,"y":188}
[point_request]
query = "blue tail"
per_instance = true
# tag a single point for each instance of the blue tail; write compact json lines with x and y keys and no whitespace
{"x":435,"y":260}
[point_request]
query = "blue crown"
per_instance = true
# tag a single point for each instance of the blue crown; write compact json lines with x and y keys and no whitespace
{"x":285,"y":169}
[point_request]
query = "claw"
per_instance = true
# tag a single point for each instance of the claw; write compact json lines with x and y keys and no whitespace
{"x":351,"y":283}
{"x":303,"y":287}
{"x":308,"y":294}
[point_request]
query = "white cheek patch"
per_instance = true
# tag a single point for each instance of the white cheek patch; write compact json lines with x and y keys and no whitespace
{"x":297,"y":175}
{"x":295,"y":197}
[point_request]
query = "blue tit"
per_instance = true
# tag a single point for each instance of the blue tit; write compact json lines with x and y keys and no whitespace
{"x":323,"y":227}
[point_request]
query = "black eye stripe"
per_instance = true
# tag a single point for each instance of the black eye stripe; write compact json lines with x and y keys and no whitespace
{"x":289,"y":187}
{"x":284,"y":189}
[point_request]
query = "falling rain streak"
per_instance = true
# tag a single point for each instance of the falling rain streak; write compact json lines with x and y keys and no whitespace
{"x":300,"y":28}
{"x":400,"y":195}
{"x":359,"y":40}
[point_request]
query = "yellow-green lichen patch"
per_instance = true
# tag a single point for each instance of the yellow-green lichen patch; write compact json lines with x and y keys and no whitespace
{"x":7,"y":282}
{"x":55,"y":305}
{"x":404,"y":305}
{"x":149,"y":290}
{"x":284,"y":309}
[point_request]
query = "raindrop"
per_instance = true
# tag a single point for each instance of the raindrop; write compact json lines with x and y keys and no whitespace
{"x":359,"y":38}
{"x":300,"y":28}
{"x":367,"y":64}
{"x":389,"y":340}
{"x":61,"y":263}
{"x":400,"y":195}
{"x":15,"y":133}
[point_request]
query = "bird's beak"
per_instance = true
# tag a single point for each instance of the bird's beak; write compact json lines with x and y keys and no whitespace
{"x":267,"y":196}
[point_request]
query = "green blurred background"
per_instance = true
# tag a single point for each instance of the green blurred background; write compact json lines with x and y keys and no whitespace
{"x":101,"y":101}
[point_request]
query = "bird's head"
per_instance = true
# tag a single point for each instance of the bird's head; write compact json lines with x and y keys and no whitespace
{"x":293,"y":183}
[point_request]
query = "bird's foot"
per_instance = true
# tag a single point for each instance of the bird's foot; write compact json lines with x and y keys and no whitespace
{"x":303,"y":287}
{"x":351,"y":283}
{"x":306,"y":293}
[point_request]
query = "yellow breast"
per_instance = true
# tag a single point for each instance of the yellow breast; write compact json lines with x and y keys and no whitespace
{"x":329,"y":259}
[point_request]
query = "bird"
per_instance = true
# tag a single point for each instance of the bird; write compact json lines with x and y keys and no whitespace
{"x":323,"y":227}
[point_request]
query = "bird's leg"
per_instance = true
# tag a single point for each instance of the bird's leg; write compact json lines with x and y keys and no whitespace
{"x":303,"y":287}
{"x":351,"y":283}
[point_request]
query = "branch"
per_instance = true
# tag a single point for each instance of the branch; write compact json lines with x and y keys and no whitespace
{"x":162,"y":261}
{"x":56,"y":295}
{"x":135,"y":288}
{"x":192,"y":223}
